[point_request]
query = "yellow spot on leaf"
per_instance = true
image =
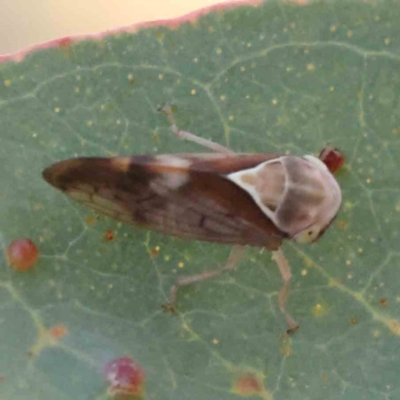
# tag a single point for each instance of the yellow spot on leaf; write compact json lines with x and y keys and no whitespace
{"x":387,"y":41}
{"x":310,"y":67}
{"x":47,"y":338}
{"x":285,"y":347}
{"x":131,"y":78}
{"x":90,"y":220}
{"x":57,"y":109}
{"x":348,"y":205}
{"x":7,"y":83}
{"x":218,"y":51}
{"x":304,"y":272}
{"x":160,"y":77}
{"x":308,"y":261}
{"x":154,"y":251}
{"x":215,"y":341}
{"x":181,"y":264}
{"x":333,"y":28}
{"x":342,"y":224}
{"x":353,"y":321}
{"x":193,"y":92}
{"x":319,"y":310}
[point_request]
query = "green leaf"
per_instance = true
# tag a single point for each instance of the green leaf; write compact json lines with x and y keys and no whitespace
{"x":273,"y":78}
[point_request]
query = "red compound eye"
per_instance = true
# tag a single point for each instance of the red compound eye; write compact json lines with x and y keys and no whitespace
{"x":332,"y":158}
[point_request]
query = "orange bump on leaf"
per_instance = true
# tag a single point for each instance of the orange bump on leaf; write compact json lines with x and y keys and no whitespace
{"x":58,"y":331}
{"x":383,"y":301}
{"x":109,"y":236}
{"x":248,"y":385}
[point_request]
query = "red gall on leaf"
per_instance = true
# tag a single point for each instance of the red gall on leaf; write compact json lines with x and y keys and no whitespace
{"x":22,"y":254}
{"x":124,"y":377}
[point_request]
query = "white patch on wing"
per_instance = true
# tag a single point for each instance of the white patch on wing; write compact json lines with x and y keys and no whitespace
{"x":173,"y":161}
{"x":174,"y":179}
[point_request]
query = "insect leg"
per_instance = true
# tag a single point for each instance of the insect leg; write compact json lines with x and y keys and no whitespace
{"x":191,"y":137}
{"x":234,"y":257}
{"x":286,"y":274}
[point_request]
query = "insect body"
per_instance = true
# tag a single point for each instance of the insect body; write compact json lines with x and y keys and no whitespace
{"x":241,"y":199}
{"x":248,"y":199}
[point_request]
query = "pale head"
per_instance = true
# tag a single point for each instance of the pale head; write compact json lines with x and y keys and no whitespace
{"x":299,"y":194}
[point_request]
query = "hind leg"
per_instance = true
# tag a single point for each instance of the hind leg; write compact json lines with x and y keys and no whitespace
{"x":231,"y":263}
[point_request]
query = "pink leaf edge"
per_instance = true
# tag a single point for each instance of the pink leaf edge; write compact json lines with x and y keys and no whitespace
{"x":172,"y":23}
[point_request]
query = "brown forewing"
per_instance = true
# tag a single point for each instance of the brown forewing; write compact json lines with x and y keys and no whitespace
{"x":181,"y":195}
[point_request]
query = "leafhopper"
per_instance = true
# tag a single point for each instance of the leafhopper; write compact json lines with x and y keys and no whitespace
{"x":243,"y":199}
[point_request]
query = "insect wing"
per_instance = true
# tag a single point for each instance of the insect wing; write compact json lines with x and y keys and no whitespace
{"x":180,"y":195}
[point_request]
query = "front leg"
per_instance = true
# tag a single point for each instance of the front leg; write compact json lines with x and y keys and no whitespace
{"x":167,"y":110}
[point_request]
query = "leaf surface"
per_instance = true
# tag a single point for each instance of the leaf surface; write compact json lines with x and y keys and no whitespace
{"x":274,"y":78}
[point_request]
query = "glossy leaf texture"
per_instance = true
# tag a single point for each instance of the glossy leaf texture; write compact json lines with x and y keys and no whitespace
{"x":277,"y":77}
